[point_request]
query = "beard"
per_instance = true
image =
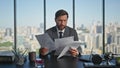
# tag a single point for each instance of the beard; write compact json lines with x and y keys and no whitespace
{"x":61,"y":27}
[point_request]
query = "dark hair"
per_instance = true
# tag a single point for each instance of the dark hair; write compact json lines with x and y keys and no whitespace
{"x":60,"y":13}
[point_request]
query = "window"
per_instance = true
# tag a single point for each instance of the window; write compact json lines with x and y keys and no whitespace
{"x":29,"y":23}
{"x":112,"y":26}
{"x":88,"y":23}
{"x":6,"y":26}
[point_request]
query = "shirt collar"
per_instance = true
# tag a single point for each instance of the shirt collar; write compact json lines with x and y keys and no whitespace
{"x":60,"y":30}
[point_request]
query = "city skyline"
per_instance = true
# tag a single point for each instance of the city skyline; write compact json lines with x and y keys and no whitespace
{"x":26,"y":36}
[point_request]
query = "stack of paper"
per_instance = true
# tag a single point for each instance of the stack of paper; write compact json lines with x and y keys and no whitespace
{"x":73,"y":45}
{"x":60,"y":43}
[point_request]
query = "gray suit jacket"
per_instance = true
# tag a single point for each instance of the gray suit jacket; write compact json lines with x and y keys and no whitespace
{"x":68,"y":32}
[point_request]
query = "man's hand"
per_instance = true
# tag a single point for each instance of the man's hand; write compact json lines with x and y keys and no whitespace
{"x":74,"y":52}
{"x":43,"y":51}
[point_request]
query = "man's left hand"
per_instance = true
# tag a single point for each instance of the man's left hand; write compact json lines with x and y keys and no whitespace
{"x":74,"y":52}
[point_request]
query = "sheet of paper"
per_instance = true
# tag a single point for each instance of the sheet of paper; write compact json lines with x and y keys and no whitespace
{"x":64,"y":51}
{"x":74,"y":45}
{"x":45,"y":41}
{"x":61,"y":43}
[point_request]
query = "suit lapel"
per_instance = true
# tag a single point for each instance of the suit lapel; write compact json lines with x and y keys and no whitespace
{"x":55,"y":35}
{"x":66,"y":33}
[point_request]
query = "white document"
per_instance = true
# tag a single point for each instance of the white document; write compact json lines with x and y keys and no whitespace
{"x":45,"y":41}
{"x":61,"y":43}
{"x":73,"y":45}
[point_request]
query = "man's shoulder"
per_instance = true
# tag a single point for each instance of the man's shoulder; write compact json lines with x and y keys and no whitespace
{"x":51,"y":29}
{"x":71,"y":29}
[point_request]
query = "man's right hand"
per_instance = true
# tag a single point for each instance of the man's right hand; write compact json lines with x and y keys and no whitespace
{"x":43,"y":51}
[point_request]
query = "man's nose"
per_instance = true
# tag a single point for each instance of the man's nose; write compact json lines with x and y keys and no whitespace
{"x":62,"y":22}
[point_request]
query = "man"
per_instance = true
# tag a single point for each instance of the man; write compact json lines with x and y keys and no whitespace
{"x":61,"y":30}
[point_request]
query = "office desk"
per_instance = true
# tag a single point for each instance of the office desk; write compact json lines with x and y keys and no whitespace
{"x":64,"y":62}
{"x":102,"y":65}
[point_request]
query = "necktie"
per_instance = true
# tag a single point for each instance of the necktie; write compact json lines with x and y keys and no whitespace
{"x":60,"y":34}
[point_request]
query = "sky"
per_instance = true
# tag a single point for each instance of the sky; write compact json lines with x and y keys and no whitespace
{"x":30,"y":12}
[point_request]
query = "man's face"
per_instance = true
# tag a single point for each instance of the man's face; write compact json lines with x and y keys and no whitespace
{"x":61,"y":22}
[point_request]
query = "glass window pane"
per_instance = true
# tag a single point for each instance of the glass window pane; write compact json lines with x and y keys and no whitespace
{"x":6,"y":26}
{"x":88,"y":21}
{"x":29,"y":23}
{"x":112,"y":28}
{"x":52,"y":6}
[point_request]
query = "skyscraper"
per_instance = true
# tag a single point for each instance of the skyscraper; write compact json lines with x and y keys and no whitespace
{"x":8,"y":32}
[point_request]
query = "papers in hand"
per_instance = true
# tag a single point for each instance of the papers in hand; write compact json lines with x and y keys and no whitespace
{"x":45,"y":41}
{"x":73,"y":45}
{"x":63,"y":45}
{"x":60,"y":43}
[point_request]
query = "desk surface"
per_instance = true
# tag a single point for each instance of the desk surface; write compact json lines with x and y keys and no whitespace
{"x":102,"y":65}
{"x":64,"y":62}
